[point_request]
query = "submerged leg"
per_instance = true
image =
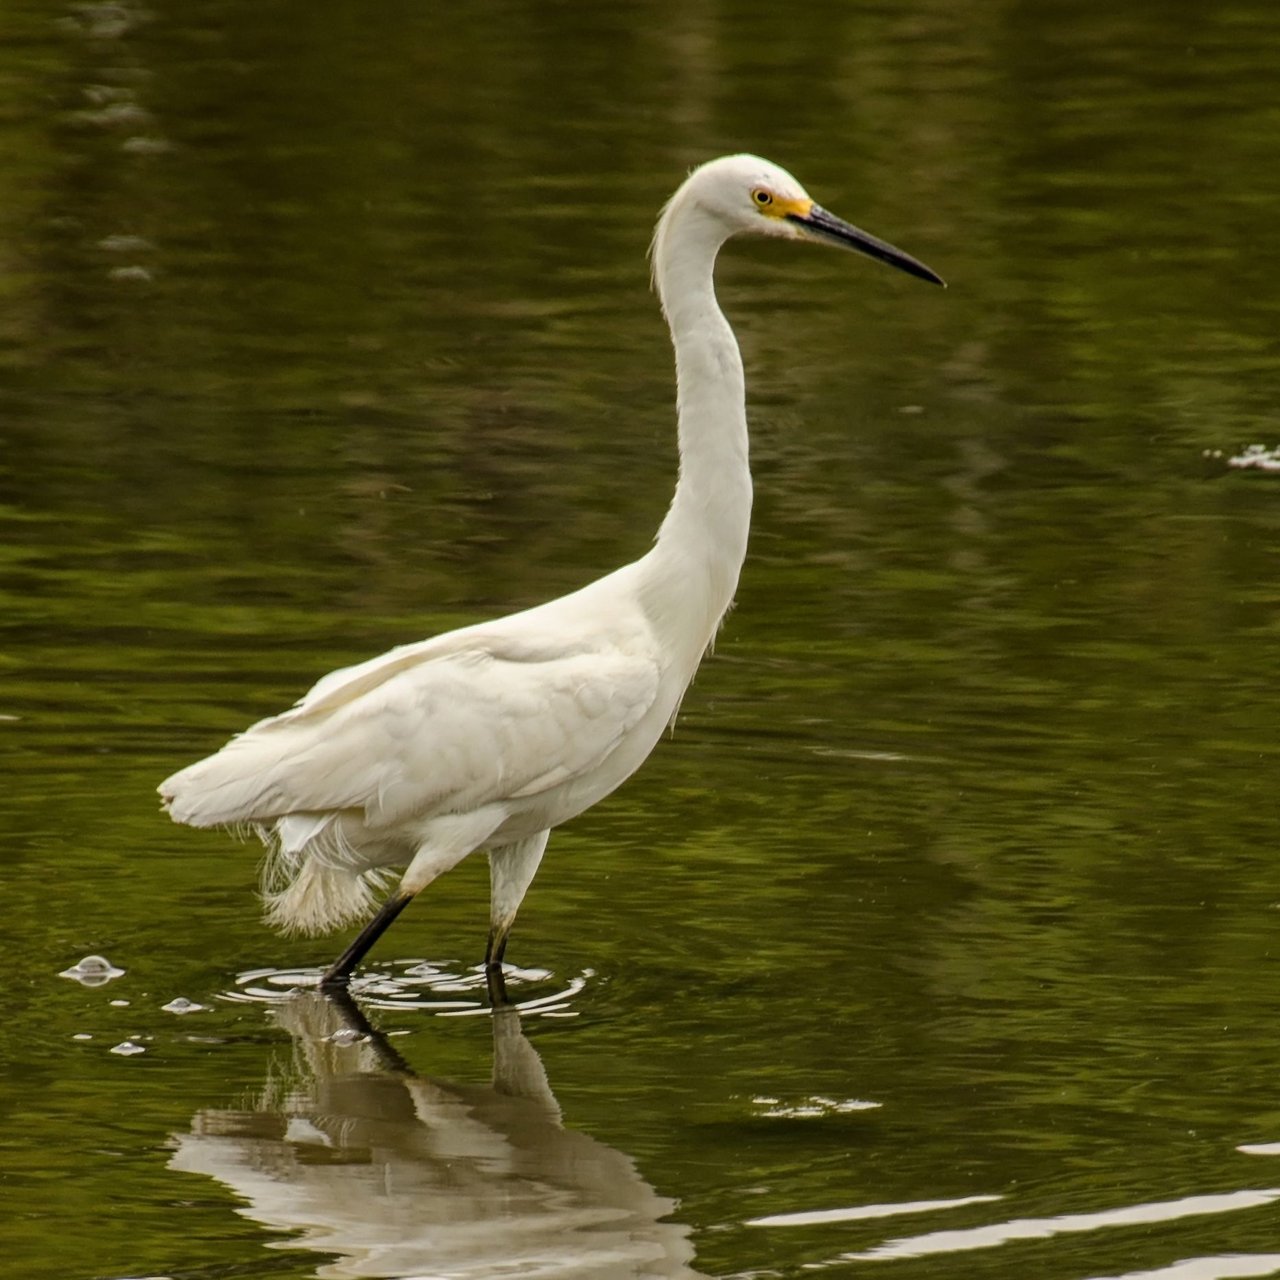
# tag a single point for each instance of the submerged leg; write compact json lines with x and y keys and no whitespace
{"x":496,"y":985}
{"x":511,"y":871}
{"x":339,"y":973}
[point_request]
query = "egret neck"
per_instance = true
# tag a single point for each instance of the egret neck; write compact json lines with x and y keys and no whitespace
{"x":703,"y":539}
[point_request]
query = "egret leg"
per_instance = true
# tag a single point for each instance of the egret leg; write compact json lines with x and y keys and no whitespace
{"x":496,"y":947}
{"x":445,"y":842}
{"x":497,"y":988}
{"x":511,"y":871}
{"x":339,"y":973}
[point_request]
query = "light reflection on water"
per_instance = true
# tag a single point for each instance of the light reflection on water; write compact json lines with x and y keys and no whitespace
{"x":1225,"y":1267}
{"x":348,"y":1151}
{"x":323,"y":331}
{"x":988,"y":1237}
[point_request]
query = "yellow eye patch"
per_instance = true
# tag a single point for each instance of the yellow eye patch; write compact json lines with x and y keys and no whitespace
{"x":773,"y":205}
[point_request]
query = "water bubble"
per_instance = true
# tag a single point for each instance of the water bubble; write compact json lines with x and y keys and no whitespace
{"x":346,"y":1036}
{"x":82,"y":1035}
{"x":181,"y":1005}
{"x":127,"y":1048}
{"x":120,"y":1004}
{"x":92,"y":971}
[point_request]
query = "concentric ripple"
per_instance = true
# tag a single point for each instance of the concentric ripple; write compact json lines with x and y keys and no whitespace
{"x":443,"y":988}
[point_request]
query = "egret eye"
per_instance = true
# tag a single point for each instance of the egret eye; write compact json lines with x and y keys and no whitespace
{"x":762,"y":197}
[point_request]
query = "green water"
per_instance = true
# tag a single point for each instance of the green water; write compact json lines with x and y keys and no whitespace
{"x":952,"y":903}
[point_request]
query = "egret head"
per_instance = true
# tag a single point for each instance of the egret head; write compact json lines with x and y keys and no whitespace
{"x":745,"y":195}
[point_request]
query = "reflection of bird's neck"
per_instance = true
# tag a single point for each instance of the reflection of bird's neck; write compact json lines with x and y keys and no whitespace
{"x":703,"y":540}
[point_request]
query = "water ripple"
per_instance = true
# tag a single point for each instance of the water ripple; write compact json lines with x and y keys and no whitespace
{"x":998,"y":1233}
{"x":444,"y":988}
{"x":858,"y":1213}
{"x":1228,"y":1266}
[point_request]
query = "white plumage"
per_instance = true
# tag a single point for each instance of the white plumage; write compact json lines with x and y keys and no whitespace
{"x":489,"y":736}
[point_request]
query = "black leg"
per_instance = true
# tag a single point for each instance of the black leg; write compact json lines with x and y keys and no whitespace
{"x":497,"y":986}
{"x":493,"y":953}
{"x":339,"y":973}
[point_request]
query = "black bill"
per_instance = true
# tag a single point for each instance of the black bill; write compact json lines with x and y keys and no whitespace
{"x":826,"y":226}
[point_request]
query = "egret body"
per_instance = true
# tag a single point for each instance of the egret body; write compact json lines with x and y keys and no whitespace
{"x":489,"y":736}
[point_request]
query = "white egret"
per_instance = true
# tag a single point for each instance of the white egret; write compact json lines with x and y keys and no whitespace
{"x":491,"y":735}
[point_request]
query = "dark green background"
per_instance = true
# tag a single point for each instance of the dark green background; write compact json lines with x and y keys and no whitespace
{"x":326,"y":326}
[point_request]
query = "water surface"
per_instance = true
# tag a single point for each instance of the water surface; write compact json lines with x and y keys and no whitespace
{"x":940,"y":938}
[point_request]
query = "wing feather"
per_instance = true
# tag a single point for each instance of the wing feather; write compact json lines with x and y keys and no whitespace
{"x":422,"y":730}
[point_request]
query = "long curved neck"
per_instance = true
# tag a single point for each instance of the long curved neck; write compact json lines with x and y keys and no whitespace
{"x":703,"y":539}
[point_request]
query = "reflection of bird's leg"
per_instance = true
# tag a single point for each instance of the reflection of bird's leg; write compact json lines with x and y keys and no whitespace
{"x":339,"y":973}
{"x":511,"y":871}
{"x":353,"y":1018}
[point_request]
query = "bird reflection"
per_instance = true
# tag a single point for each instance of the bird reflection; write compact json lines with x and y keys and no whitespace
{"x":396,"y":1174}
